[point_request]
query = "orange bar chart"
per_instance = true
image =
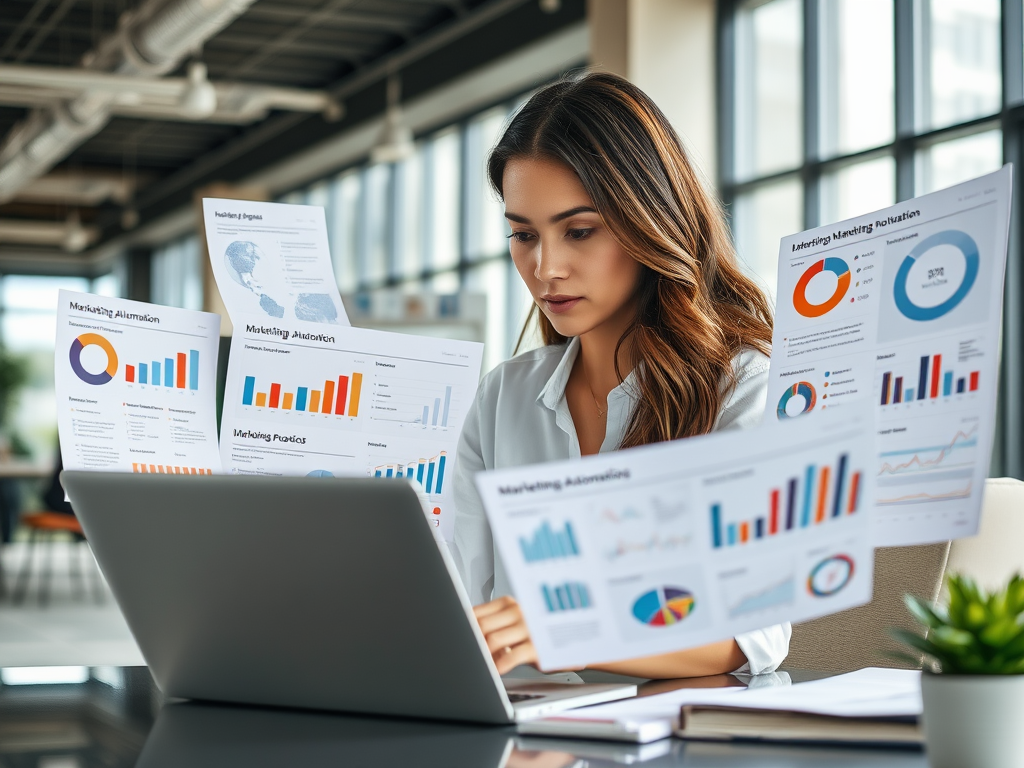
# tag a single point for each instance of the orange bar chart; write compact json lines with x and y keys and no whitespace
{"x":166,"y":469}
{"x":338,"y":397}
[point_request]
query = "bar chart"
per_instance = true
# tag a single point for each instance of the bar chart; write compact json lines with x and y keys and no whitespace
{"x":570,"y":596}
{"x":339,"y":396}
{"x":932,"y":382}
{"x":821,"y":494}
{"x":178,"y":372}
{"x":427,"y":472}
{"x":421,"y":403}
{"x":548,"y":544}
{"x":166,"y":469}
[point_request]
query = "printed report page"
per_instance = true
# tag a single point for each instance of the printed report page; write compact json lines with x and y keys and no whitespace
{"x":671,"y":546}
{"x":273,"y":260}
{"x":307,"y":399}
{"x":901,"y":308}
{"x":136,"y":386}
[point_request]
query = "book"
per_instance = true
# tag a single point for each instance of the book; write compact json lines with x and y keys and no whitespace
{"x":869,"y":706}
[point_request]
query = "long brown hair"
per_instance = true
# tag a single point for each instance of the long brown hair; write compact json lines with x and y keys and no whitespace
{"x":696,"y":309}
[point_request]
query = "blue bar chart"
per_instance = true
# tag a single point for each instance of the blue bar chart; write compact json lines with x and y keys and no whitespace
{"x":429,"y":473}
{"x":570,"y":596}
{"x":548,"y":544}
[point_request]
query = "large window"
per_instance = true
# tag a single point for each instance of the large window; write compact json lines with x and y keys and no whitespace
{"x":28,"y":319}
{"x":428,"y":223}
{"x":834,"y":108}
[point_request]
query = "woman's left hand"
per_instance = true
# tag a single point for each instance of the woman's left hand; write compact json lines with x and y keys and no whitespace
{"x":506,"y":634}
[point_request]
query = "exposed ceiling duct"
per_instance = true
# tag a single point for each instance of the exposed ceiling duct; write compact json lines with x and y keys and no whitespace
{"x":161,"y":98}
{"x":149,"y":42}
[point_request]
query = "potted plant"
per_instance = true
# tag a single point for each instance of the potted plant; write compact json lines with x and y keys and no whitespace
{"x":973,"y":682}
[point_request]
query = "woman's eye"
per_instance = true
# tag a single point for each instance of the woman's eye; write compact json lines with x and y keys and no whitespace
{"x":521,"y":237}
{"x":579,"y":234}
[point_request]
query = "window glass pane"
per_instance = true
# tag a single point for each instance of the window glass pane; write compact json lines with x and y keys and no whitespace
{"x":491,"y":279}
{"x":762,"y":218}
{"x":857,"y":75}
{"x":342,"y":224}
{"x":409,"y":216}
{"x":942,"y":165}
{"x":443,"y":193}
{"x":107,"y":285}
{"x":769,"y":44}
{"x":857,"y":189}
{"x":485,"y":222}
{"x":177,"y":275}
{"x":444,"y":282}
{"x":38,"y":293}
{"x":373,"y":230}
{"x":961,"y":63}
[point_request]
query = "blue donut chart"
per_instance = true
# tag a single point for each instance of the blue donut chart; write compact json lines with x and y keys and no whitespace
{"x":966,"y":245}
{"x":803,"y":388}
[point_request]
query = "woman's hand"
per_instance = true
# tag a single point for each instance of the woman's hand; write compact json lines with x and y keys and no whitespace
{"x":506,"y":634}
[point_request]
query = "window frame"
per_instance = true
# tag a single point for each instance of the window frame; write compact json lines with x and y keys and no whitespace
{"x":908,"y":139}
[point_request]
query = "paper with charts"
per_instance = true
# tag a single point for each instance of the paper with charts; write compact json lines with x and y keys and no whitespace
{"x":671,"y":546}
{"x":902,"y":308}
{"x":136,"y":386}
{"x":307,"y":399}
{"x":272,"y":260}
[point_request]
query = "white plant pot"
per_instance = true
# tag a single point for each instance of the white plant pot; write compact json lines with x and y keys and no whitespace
{"x":973,"y":721}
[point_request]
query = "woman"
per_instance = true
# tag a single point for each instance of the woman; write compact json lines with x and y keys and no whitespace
{"x":651,"y":330}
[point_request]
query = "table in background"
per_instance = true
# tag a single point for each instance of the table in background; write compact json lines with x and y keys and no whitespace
{"x":125,"y":721}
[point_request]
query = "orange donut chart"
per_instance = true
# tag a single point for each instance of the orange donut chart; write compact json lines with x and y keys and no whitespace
{"x":836,"y":266}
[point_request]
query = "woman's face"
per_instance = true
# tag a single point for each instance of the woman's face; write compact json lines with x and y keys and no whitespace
{"x":580,"y":277}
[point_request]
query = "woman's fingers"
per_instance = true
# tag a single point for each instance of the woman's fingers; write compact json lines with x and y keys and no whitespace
{"x":494,"y":606}
{"x":508,"y":659}
{"x":497,"y":621}
{"x":510,"y":636}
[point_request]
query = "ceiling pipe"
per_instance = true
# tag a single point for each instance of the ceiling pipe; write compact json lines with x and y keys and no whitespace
{"x":161,"y":98}
{"x":151,"y":41}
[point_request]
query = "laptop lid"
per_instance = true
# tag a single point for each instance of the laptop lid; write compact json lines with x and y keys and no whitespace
{"x":325,"y":593}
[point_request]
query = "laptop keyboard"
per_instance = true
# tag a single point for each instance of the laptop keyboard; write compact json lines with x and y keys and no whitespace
{"x":515,"y":698}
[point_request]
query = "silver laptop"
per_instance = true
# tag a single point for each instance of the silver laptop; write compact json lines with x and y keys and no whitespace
{"x":322,"y":593}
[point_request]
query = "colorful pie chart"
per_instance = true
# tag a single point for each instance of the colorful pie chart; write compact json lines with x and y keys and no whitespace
{"x":664,"y":606}
{"x":836,"y":266}
{"x":802,"y":388}
{"x":959,"y":240}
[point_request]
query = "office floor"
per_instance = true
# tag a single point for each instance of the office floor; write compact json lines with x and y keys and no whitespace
{"x":71,"y":629}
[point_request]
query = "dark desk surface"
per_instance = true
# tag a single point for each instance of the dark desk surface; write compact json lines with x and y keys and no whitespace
{"x":129,"y":723}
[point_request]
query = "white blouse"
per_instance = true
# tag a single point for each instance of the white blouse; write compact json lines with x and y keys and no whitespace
{"x":521,"y":416}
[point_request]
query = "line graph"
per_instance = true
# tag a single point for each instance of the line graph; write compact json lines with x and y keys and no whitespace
{"x":956,"y":453}
{"x":925,"y":497}
{"x":657,"y":542}
{"x":778,"y":593}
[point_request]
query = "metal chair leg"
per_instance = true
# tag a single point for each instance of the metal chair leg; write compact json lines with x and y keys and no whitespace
{"x":47,"y":573}
{"x":74,"y":570}
{"x":21,"y":586}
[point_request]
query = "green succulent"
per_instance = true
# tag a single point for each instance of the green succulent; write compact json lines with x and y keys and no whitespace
{"x":976,"y":633}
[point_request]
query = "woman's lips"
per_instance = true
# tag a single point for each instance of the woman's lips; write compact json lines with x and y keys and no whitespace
{"x":559,"y":304}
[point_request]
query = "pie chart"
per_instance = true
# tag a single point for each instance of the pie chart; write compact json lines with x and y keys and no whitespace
{"x":831,"y":575}
{"x":837,"y":267}
{"x":802,"y":388}
{"x":663,"y":606}
{"x":959,"y":240}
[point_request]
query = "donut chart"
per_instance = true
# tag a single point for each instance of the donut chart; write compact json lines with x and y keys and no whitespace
{"x":959,"y":240}
{"x":837,"y":267}
{"x":75,"y":357}
{"x":830,"y":576}
{"x":803,"y":388}
{"x":664,"y":606}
